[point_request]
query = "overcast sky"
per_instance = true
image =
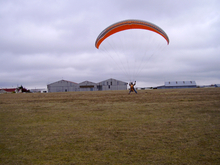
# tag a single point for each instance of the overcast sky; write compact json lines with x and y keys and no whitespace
{"x":43,"y":41}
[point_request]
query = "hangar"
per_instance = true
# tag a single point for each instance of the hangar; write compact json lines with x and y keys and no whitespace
{"x":63,"y":86}
{"x":111,"y":84}
{"x":177,"y":84}
{"x":69,"y":86}
{"x":87,"y":86}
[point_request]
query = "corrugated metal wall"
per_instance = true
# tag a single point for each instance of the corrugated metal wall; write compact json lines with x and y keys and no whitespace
{"x":68,"y":86}
{"x":63,"y":86}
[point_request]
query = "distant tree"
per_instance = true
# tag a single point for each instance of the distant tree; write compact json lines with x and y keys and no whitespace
{"x":22,"y":89}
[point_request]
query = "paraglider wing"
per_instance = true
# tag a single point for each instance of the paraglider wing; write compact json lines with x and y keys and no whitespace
{"x":126,"y":25}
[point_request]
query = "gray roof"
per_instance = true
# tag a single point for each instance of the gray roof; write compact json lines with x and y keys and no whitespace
{"x":60,"y":81}
{"x":112,"y":79}
{"x":180,"y":83}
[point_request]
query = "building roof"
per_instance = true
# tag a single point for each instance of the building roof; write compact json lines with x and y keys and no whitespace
{"x":111,"y":79}
{"x":180,"y":83}
{"x":63,"y":81}
{"x":9,"y":89}
{"x":87,"y":82}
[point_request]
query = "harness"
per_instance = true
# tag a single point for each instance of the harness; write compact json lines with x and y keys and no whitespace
{"x":132,"y":88}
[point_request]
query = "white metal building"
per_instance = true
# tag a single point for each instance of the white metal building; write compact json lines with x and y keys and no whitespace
{"x":87,"y":86}
{"x":63,"y":86}
{"x":178,"y":84}
{"x":112,"y":84}
{"x":68,"y":86}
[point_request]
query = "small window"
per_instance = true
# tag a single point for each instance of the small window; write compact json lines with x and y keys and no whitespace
{"x":111,"y":82}
{"x":176,"y":82}
{"x":107,"y":83}
{"x":183,"y":82}
{"x":191,"y":82}
{"x":109,"y":86}
{"x":169,"y":82}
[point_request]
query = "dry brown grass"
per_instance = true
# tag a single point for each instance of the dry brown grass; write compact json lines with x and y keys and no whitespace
{"x":178,"y":126}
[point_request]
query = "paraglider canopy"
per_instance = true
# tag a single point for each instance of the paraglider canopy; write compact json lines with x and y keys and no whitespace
{"x":131,"y":44}
{"x":126,"y":25}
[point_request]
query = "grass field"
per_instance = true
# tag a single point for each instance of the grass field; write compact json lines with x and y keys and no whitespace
{"x":172,"y":126}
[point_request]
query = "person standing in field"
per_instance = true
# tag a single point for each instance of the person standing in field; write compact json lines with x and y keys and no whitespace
{"x":132,"y":89}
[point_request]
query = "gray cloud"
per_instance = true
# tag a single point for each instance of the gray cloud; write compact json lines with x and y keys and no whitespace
{"x":45,"y":41}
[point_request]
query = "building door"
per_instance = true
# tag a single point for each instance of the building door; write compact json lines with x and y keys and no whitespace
{"x":99,"y":87}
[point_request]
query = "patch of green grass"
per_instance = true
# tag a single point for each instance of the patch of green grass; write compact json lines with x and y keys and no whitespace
{"x":176,"y":126}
